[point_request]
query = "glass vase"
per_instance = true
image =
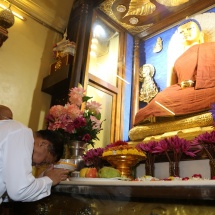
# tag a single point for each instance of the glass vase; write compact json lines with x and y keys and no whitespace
{"x":149,"y":165}
{"x":209,"y":150}
{"x":174,"y":168}
{"x":212,"y":168}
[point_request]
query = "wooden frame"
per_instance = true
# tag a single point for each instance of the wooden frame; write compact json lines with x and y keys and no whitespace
{"x":115,"y":91}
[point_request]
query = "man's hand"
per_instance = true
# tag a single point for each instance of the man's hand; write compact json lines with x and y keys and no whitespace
{"x":56,"y":175}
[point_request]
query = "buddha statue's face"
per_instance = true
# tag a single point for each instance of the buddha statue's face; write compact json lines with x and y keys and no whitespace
{"x":190,"y":33}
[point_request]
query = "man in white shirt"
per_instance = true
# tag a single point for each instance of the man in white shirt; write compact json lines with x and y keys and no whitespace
{"x":19,"y":150}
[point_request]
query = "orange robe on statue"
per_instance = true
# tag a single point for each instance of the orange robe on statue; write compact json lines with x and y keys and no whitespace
{"x":197,"y":64}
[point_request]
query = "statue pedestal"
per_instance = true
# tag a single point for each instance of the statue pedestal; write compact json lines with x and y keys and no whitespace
{"x":187,"y":128}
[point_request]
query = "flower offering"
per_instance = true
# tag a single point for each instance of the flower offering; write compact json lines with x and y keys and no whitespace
{"x":79,"y":119}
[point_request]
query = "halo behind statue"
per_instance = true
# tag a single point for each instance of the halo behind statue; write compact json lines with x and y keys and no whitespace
{"x":175,"y":48}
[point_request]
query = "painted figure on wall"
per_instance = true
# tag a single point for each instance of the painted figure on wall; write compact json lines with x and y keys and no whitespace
{"x":196,"y":64}
{"x":148,"y":90}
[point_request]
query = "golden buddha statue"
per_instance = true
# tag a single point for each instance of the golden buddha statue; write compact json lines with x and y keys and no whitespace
{"x":176,"y":108}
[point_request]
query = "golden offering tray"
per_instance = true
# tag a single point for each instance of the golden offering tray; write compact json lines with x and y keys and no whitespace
{"x":124,"y":163}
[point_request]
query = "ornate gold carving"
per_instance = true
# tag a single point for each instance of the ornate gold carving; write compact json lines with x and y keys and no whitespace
{"x":121,"y":8}
{"x":106,"y":7}
{"x":134,"y":20}
{"x":171,"y":3}
{"x":142,"y":131}
{"x":141,"y":8}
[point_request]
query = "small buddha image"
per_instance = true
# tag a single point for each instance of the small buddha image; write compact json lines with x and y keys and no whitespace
{"x":158,"y":46}
{"x":149,"y":89}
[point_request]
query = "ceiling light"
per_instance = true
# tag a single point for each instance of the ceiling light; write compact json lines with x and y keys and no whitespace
{"x":14,"y":13}
{"x":93,"y":47}
{"x":99,"y":31}
{"x":93,"y":54}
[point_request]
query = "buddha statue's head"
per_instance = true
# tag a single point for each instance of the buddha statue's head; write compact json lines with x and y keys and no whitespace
{"x":191,"y":32}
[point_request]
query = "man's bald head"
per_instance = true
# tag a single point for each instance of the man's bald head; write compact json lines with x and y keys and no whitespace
{"x":5,"y":112}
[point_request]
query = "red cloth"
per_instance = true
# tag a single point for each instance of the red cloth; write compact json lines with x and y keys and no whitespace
{"x":183,"y":101}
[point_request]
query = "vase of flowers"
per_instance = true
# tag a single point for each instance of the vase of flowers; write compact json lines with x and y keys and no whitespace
{"x":79,"y":121}
{"x":173,"y":148}
{"x":207,"y":142}
{"x":74,"y":148}
{"x":149,"y":148}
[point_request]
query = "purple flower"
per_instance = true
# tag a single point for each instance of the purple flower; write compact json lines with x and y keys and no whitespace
{"x":177,"y":146}
{"x":208,"y":137}
{"x":93,"y":156}
{"x":79,"y":122}
{"x":213,"y":111}
{"x":86,"y":137}
{"x":147,"y":147}
{"x":162,"y":146}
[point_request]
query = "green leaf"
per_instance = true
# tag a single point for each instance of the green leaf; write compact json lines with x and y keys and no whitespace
{"x":86,"y":98}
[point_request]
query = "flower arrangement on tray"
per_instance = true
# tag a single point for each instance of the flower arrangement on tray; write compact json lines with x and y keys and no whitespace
{"x":119,"y":155}
{"x":121,"y":148}
{"x":79,"y":119}
{"x":123,"y":156}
